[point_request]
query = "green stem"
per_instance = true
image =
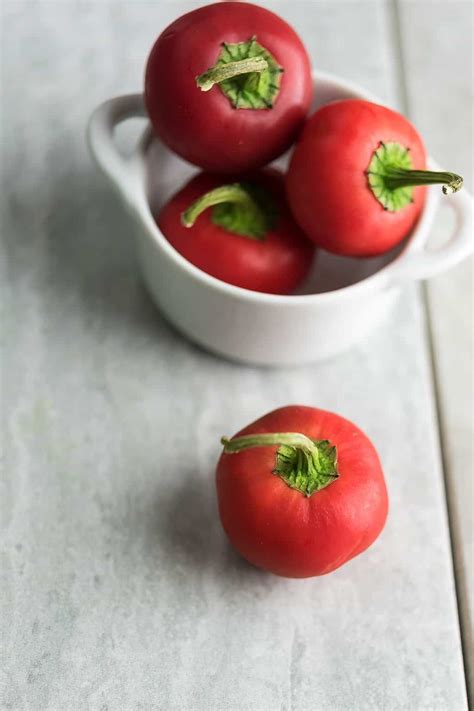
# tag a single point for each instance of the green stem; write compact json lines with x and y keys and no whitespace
{"x":235,"y":209}
{"x":291,"y":439}
{"x":305,"y":464}
{"x":401,"y":177}
{"x":391,"y":176}
{"x":222,"y":72}
{"x":233,"y":193}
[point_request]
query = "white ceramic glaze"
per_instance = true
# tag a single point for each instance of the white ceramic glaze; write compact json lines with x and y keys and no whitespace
{"x":342,"y":298}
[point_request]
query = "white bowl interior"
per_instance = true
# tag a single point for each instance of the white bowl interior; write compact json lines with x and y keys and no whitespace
{"x":166,"y":173}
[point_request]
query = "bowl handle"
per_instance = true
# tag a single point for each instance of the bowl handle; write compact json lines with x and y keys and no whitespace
{"x":122,"y":172}
{"x":425,"y":263}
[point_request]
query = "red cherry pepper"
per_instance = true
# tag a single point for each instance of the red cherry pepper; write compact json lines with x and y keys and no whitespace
{"x":356,"y":178}
{"x":248,"y":238}
{"x":228,"y":86}
{"x":301,"y":492}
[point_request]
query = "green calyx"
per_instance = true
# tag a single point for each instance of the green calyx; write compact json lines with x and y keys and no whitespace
{"x":304,"y":464}
{"x":246,"y":73}
{"x":243,"y":209}
{"x":391,"y":177}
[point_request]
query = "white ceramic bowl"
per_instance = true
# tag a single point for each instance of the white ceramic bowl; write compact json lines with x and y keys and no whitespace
{"x":341,"y":300}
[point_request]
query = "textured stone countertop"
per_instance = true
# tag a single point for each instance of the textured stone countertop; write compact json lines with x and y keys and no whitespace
{"x":121,"y":591}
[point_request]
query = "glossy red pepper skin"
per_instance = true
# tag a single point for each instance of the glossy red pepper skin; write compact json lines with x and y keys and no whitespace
{"x":275,"y":265}
{"x":203,"y":127}
{"x":278,"y":528}
{"x":327,"y":185}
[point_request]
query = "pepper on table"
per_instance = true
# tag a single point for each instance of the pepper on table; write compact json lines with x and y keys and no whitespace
{"x":301,"y":491}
